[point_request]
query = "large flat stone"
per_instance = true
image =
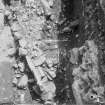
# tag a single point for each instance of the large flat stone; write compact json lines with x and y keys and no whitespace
{"x":6,"y":89}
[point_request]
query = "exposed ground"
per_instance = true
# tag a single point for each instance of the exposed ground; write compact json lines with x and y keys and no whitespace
{"x":79,"y":20}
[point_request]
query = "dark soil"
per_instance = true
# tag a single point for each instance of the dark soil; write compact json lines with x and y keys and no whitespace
{"x":90,"y":25}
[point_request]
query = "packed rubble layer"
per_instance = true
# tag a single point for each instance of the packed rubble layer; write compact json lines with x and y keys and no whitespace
{"x":87,"y":86}
{"x":36,"y":47}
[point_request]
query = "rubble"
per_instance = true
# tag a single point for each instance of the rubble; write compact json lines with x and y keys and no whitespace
{"x":24,"y":40}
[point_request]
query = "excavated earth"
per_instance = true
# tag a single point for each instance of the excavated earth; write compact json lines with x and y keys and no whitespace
{"x":79,"y":20}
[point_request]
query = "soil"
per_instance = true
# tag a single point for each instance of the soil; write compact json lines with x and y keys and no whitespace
{"x":90,"y":26}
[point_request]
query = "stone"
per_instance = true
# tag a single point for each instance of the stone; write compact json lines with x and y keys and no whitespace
{"x":6,"y":45}
{"x":15,"y":66}
{"x":6,"y":74}
{"x":76,"y":91}
{"x":23,"y":52}
{"x":45,"y":3}
{"x":82,"y":50}
{"x":52,"y":74}
{"x":102,"y":3}
{"x":46,"y":6}
{"x":23,"y":81}
{"x":15,"y":81}
{"x":15,"y":27}
{"x":11,"y":51}
{"x":52,"y":56}
{"x":51,"y":2}
{"x":22,"y":43}
{"x":34,"y":70}
{"x":49,"y":62}
{"x":1,"y":21}
{"x":76,"y":71}
{"x":7,"y":12}
{"x":39,"y":60}
{"x":48,"y":90}
{"x":21,"y":66}
{"x":90,"y":96}
{"x":40,"y":69}
{"x":84,"y":66}
{"x":2,"y":6}
{"x":100,"y":90}
{"x":18,"y":35}
{"x":74,"y":55}
{"x":18,"y":75}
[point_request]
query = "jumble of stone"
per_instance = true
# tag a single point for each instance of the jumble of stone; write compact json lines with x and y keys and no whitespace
{"x":32,"y":42}
{"x":86,"y":85}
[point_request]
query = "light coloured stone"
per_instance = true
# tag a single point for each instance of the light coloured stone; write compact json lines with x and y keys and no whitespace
{"x":51,"y":74}
{"x":7,"y":12}
{"x":11,"y":51}
{"x":46,"y":6}
{"x":23,"y":81}
{"x":15,"y":27}
{"x":40,"y":69}
{"x":2,"y":6}
{"x":18,"y":75}
{"x":1,"y":21}
{"x":45,"y":3}
{"x":49,"y":62}
{"x":102,"y":4}
{"x":51,"y":2}
{"x":22,"y":52}
{"x":21,"y":66}
{"x":39,"y":60}
{"x":22,"y":43}
{"x":18,"y":35}
{"x":15,"y":66}
{"x":34,"y":70}
{"x":74,"y":55}
{"x":15,"y":81}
